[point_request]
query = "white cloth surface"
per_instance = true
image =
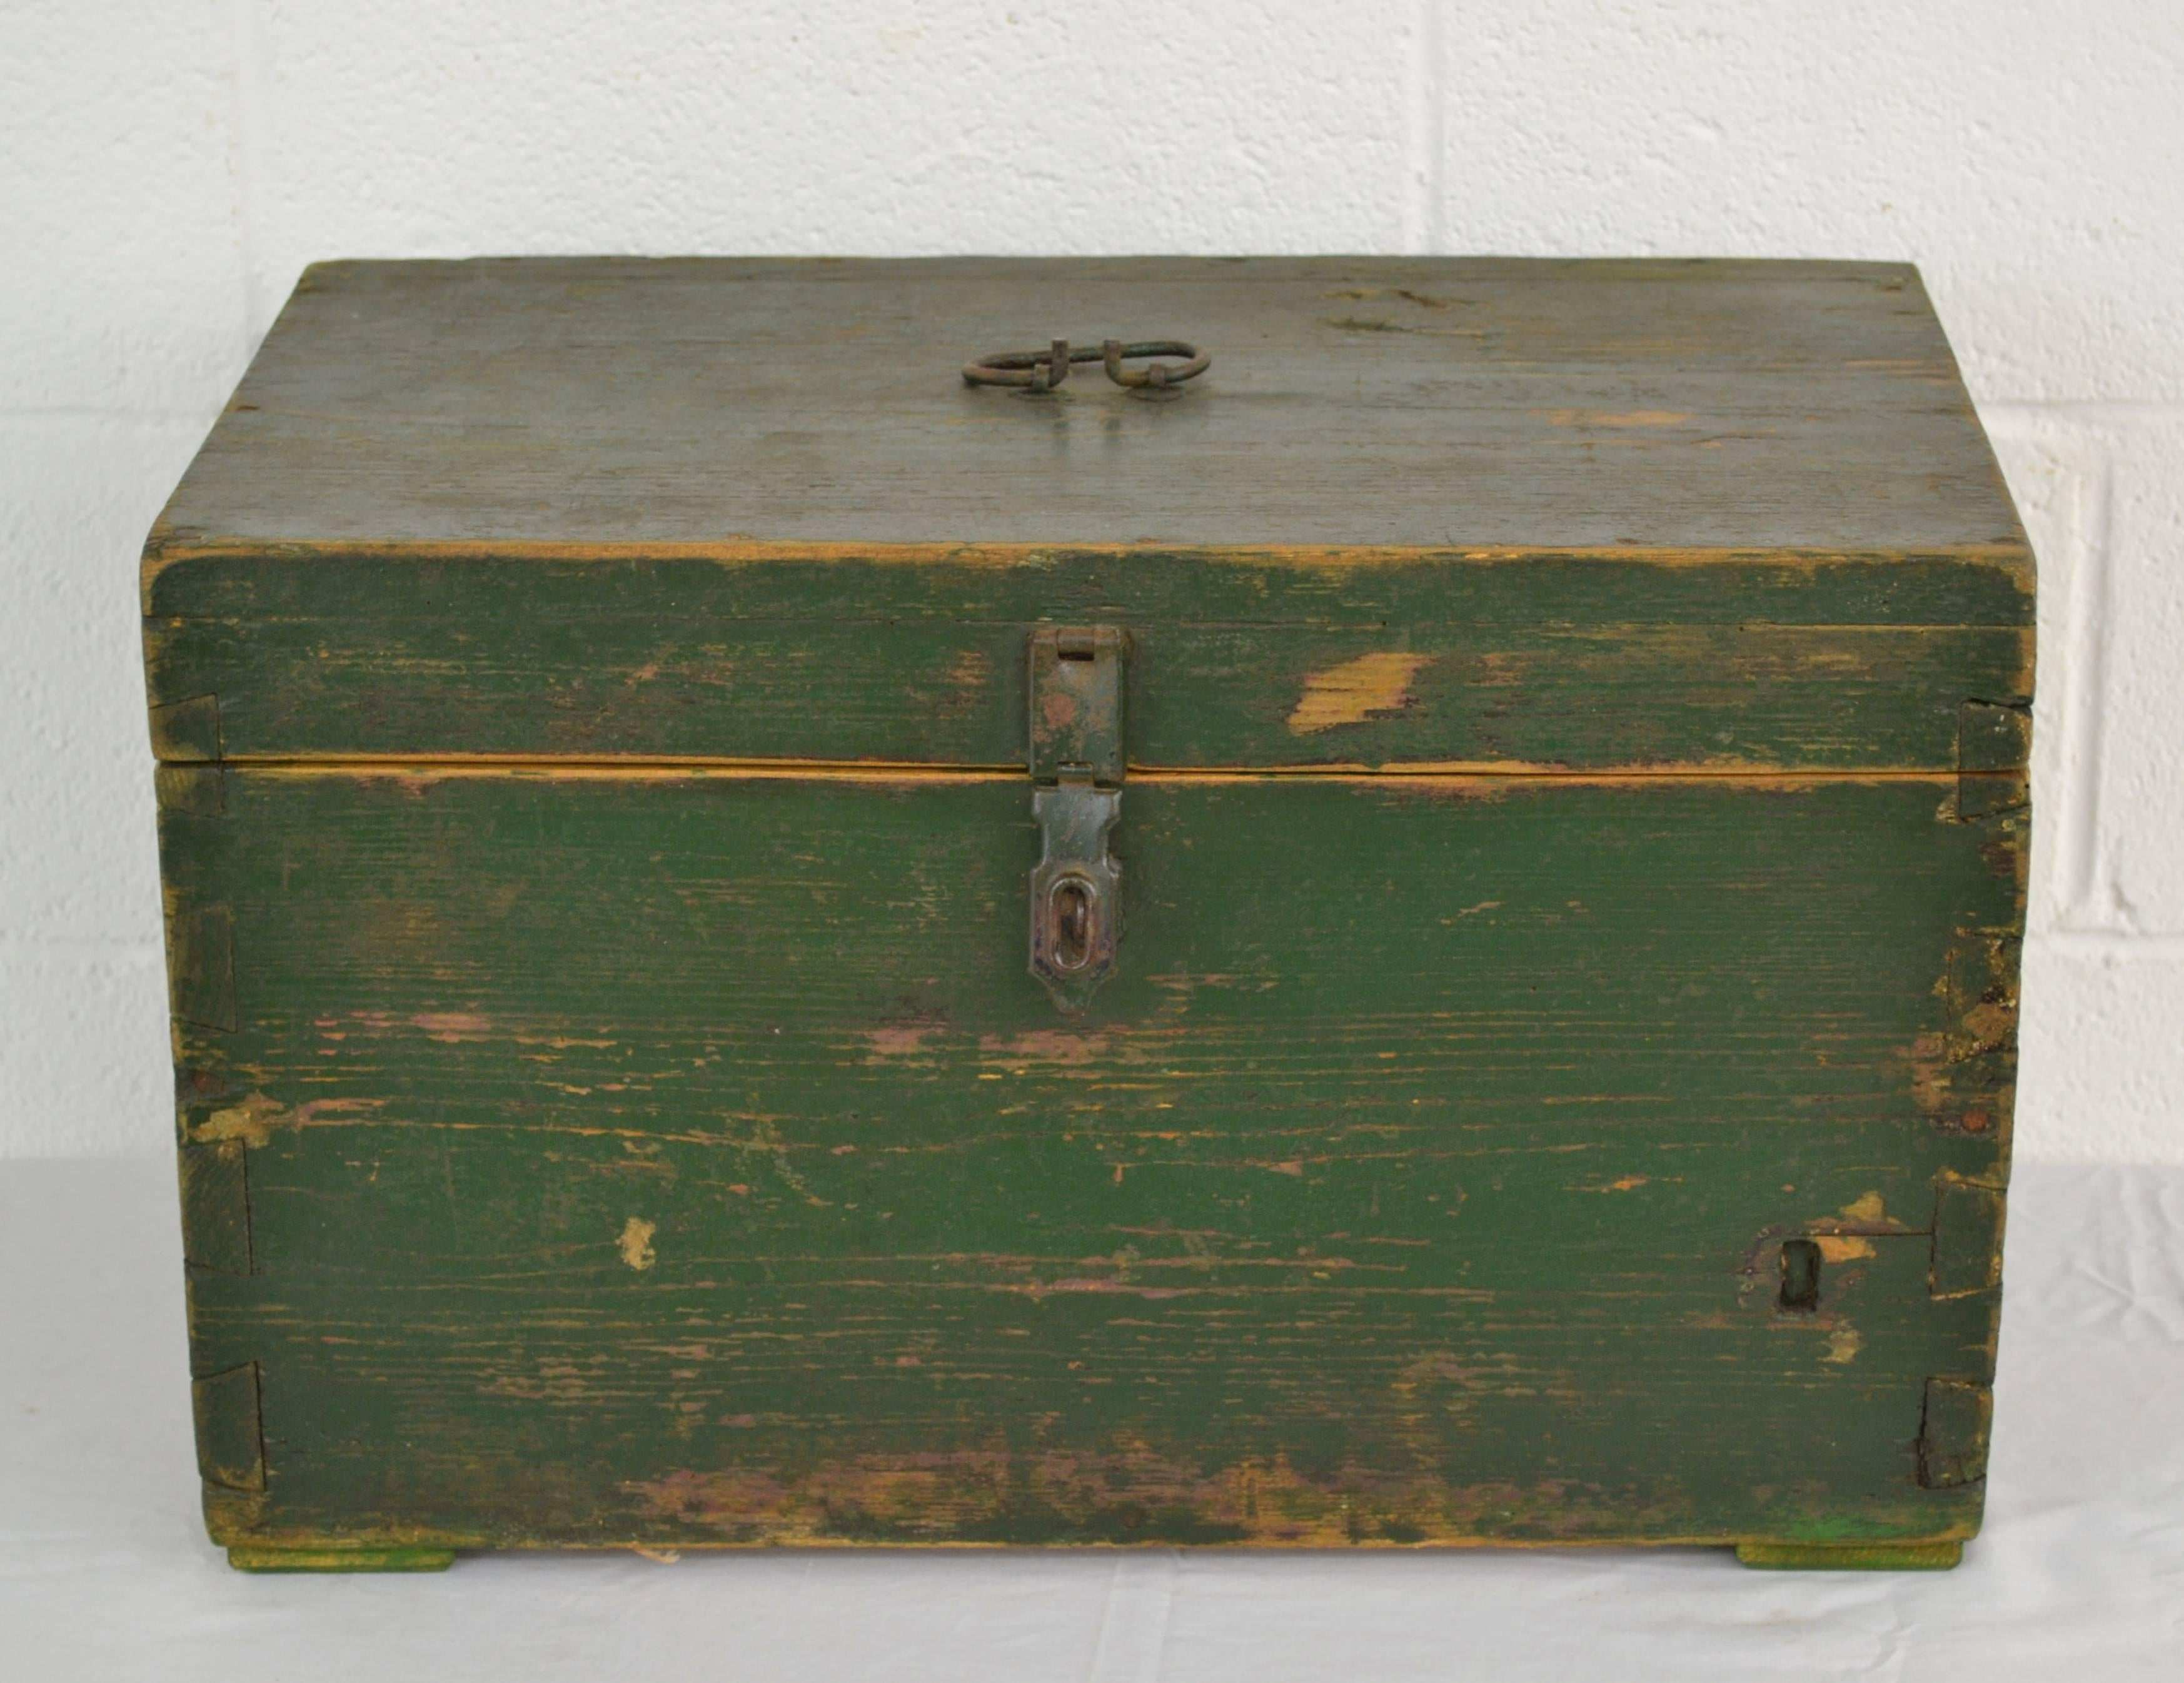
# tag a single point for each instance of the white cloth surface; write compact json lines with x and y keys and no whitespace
{"x":105,"y":1571}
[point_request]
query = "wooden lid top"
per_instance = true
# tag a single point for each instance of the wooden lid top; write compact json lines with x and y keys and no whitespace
{"x":1407,"y":403}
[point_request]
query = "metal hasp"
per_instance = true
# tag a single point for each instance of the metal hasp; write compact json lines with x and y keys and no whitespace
{"x":1077,"y":767}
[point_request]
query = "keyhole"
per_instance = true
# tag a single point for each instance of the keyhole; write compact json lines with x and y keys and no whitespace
{"x":1801,"y":1277}
{"x":1071,"y":910}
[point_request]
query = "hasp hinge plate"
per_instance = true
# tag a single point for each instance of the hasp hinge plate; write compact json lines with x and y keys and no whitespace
{"x":1077,"y":763}
{"x":1076,"y":705}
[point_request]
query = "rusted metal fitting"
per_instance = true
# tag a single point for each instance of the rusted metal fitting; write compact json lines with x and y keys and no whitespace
{"x":1038,"y":370}
{"x":1157,"y":374}
{"x":1043,"y":371}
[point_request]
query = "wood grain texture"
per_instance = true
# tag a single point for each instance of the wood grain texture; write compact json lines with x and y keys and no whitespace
{"x":1574,"y":846}
{"x":682,"y":1158}
{"x":1424,"y":403}
{"x":1538,"y":662}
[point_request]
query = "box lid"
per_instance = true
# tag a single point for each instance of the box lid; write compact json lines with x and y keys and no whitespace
{"x":1420,"y":511}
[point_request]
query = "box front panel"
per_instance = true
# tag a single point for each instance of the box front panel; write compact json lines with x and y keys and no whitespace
{"x":1238,"y":659}
{"x":582,"y":1156}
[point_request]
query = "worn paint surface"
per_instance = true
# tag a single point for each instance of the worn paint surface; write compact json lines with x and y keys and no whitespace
{"x":1356,"y":691}
{"x":1573,"y":840}
{"x":1745,"y":662}
{"x":1300,"y":1236}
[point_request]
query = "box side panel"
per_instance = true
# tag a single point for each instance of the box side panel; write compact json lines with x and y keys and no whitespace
{"x":1237,"y":659}
{"x":690,"y":1159}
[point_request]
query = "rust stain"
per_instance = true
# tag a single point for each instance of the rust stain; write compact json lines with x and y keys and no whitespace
{"x":1356,"y":691}
{"x":1057,"y":707}
{"x":636,"y":1243}
{"x":1603,"y":417}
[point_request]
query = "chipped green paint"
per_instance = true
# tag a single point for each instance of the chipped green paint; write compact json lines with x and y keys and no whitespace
{"x":1769,"y":662}
{"x":591,"y":698}
{"x":688,"y":1159}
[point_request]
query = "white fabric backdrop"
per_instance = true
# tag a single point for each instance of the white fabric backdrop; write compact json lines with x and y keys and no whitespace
{"x":106,"y":1576}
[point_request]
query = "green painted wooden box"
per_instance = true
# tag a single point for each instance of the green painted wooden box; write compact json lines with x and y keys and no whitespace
{"x":1516,"y":777}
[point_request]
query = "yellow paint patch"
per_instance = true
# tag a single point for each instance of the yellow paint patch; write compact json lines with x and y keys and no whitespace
{"x":1866,"y":1208}
{"x":1843,"y":1344}
{"x":1603,"y":417}
{"x":252,"y":1121}
{"x":636,"y":1243}
{"x":1355,"y":691}
{"x":255,"y":1120}
{"x":1839,"y":1248}
{"x":451,"y":1026}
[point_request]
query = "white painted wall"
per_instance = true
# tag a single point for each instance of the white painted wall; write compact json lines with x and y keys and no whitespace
{"x":166,"y":167}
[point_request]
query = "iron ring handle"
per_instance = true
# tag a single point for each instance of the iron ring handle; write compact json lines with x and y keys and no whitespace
{"x":1043,"y":370}
{"x":1157,"y":374}
{"x":1040,"y":370}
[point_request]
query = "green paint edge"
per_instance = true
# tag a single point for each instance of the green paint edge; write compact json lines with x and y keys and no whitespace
{"x":1850,"y":1557}
{"x":414,"y":1558}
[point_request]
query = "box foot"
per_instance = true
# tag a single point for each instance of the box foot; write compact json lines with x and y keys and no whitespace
{"x":1850,"y":1557}
{"x":398,"y":1557}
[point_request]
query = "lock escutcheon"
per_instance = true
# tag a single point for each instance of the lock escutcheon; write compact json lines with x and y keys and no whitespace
{"x":1077,"y":764}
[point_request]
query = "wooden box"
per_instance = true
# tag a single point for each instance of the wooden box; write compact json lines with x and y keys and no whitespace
{"x":1412,"y":941}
